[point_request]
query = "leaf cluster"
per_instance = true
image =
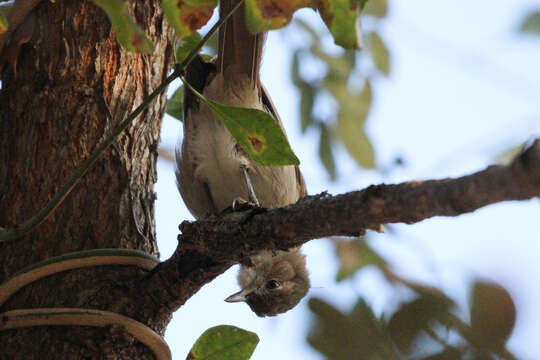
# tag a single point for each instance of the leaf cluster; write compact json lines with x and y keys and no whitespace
{"x":426,"y":326}
{"x":346,"y":125}
{"x":341,"y":17}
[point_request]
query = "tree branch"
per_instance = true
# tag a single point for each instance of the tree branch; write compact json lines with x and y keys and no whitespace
{"x":209,"y":247}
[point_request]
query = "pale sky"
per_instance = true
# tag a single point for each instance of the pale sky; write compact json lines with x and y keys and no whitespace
{"x":463,"y":87}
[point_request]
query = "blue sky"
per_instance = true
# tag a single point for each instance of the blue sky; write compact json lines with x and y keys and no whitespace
{"x":463,"y":88}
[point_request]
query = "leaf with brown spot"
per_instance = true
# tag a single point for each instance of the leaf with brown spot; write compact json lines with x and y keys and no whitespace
{"x":256,"y":131}
{"x":255,"y":142}
{"x":264,"y":15}
{"x":187,"y":16}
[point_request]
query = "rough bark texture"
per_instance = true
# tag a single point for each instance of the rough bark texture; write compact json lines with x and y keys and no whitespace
{"x":72,"y":84}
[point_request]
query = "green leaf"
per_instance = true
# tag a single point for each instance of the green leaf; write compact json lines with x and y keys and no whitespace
{"x":256,"y":131}
{"x":377,"y":8}
{"x":350,"y":126}
{"x":175,"y":104}
{"x":224,"y":343}
{"x":295,"y":70}
{"x":264,"y":15}
{"x":493,"y":313}
{"x":128,"y":33}
{"x":420,"y":289}
{"x":3,"y":23}
{"x":361,"y":3}
{"x":413,"y":317}
{"x":187,"y":16}
{"x":211,"y":46}
{"x":307,"y":100}
{"x":379,"y":52}
{"x":342,"y":19}
{"x":340,"y":67}
{"x":357,"y":335}
{"x":355,"y":255}
{"x":307,"y":93}
{"x":531,"y":24}
{"x":185,"y":45}
{"x":325,"y":151}
{"x":308,"y":29}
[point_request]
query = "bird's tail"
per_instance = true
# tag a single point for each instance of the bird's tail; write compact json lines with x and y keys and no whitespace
{"x":239,"y":51}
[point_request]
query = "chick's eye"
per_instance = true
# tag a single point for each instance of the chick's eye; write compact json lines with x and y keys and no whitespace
{"x":273,"y":284}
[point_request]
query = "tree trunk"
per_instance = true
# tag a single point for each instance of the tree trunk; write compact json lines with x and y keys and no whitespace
{"x":67,"y":86}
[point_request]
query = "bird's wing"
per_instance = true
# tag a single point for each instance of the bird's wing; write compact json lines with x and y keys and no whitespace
{"x":196,"y":193}
{"x":269,"y":107}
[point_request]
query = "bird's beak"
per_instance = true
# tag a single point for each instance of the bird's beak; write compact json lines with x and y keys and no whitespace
{"x":239,"y":296}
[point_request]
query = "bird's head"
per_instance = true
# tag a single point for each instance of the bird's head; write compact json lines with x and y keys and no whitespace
{"x":274,"y":284}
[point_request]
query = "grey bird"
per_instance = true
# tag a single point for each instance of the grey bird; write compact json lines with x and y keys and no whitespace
{"x":213,"y":171}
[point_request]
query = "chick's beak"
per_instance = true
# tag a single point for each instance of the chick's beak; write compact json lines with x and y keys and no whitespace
{"x":239,"y":296}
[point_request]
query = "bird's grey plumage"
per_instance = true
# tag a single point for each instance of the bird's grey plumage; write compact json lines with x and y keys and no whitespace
{"x":210,"y":164}
{"x":287,"y":268}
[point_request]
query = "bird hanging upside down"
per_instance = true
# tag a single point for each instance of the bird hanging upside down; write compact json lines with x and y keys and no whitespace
{"x":213,"y":171}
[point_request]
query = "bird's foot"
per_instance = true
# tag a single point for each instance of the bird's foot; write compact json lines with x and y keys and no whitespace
{"x":244,"y":209}
{"x":240,"y":204}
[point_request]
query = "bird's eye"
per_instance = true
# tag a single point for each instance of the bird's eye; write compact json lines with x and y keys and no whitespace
{"x":273,"y":284}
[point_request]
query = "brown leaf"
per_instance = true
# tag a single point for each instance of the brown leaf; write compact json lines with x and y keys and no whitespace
{"x":414,"y":317}
{"x":493,"y":313}
{"x":355,"y":335}
{"x":264,"y":15}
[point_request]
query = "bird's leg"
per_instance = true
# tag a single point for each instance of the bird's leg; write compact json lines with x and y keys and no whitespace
{"x":252,"y":197}
{"x":240,"y":204}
